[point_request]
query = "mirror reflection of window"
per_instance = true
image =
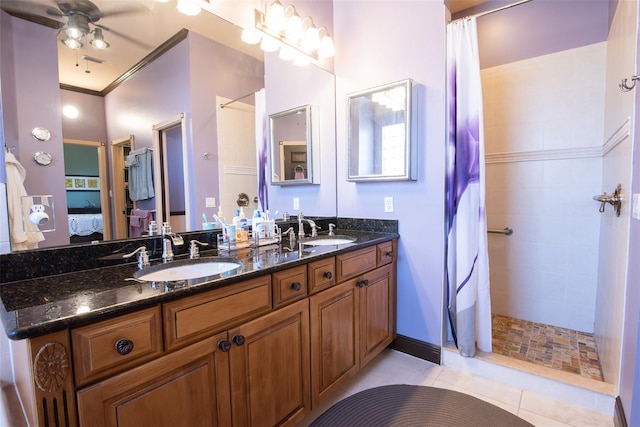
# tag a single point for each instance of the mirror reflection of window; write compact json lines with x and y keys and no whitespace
{"x":379,"y":133}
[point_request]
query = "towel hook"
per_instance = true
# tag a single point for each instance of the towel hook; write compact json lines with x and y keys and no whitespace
{"x":626,"y":88}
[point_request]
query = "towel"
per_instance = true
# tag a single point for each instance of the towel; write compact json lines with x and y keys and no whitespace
{"x":140,"y":174}
{"x":139,"y":222}
{"x":24,"y":236}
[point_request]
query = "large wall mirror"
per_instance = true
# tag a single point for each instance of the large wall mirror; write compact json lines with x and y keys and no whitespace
{"x":290,"y":143}
{"x":380,"y":133}
{"x":233,"y":72}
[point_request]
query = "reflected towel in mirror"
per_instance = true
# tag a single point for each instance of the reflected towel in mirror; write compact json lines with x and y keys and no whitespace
{"x":140,"y":174}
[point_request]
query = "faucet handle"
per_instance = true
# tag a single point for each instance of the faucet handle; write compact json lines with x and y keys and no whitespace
{"x":331,"y":227}
{"x":194,"y":250}
{"x":143,"y":257}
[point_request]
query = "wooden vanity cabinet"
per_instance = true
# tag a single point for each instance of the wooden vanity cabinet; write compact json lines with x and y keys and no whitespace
{"x":259,"y":352}
{"x":353,"y":321}
{"x":189,"y":387}
{"x":270,"y":369}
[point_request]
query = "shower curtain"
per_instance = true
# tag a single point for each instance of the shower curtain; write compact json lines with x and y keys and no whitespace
{"x":262,"y":149}
{"x":467,"y":261}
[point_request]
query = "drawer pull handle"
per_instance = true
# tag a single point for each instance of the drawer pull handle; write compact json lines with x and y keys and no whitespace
{"x":389,"y":254}
{"x":238,"y":339}
{"x":327,"y":275}
{"x":124,"y":346}
{"x":296,"y":286}
{"x":361,"y":283}
{"x":224,"y":345}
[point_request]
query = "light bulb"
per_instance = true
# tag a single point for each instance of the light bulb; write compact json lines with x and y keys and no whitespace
{"x":301,"y":60}
{"x":70,"y":112}
{"x":295,"y":31}
{"x":250,"y":37}
{"x":269,"y":45}
{"x":73,"y":44}
{"x":287,"y":53}
{"x":275,"y":18}
{"x":188,"y":7}
{"x":98,"y":41}
{"x":326,"y":49}
{"x":311,"y":39}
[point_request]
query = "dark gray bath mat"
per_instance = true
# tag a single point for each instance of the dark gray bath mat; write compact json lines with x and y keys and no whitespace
{"x":408,"y":405}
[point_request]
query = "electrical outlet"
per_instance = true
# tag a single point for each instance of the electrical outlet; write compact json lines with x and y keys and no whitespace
{"x":296,"y":203}
{"x":635,"y":206}
{"x":388,"y":204}
{"x":210,"y":202}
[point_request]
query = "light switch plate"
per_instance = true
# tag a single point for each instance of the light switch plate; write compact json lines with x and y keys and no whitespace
{"x":635,"y":206}
{"x":210,"y":202}
{"x":296,"y":203}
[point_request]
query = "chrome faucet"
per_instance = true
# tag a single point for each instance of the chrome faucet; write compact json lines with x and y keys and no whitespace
{"x":314,"y":228}
{"x":194,"y":250}
{"x":169,"y":239}
{"x":331,"y":228}
{"x":143,"y":257}
{"x":300,"y":225}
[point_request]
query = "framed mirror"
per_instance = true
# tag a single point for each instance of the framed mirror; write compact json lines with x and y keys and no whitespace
{"x":290,"y":142}
{"x":380,"y":146}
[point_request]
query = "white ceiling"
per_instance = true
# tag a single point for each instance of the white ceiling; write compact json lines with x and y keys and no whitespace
{"x":153,"y":25}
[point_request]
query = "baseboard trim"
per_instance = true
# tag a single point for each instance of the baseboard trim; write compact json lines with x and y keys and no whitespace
{"x":619,"y":419}
{"x":417,"y":348}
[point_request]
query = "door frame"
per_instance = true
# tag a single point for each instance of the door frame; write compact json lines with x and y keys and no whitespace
{"x":121,"y":228}
{"x":103,"y":173}
{"x":159,"y":169}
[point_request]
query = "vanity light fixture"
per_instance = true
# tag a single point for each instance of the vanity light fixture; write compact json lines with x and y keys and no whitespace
{"x":282,"y":28}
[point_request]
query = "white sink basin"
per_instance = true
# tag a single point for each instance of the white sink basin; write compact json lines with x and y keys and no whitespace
{"x":188,"y":269}
{"x":328,"y":240}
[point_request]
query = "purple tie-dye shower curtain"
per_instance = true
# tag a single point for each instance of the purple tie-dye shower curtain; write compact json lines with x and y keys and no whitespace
{"x":262,"y":150}
{"x":468,"y":300}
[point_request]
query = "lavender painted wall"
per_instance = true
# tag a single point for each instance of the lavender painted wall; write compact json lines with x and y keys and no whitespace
{"x":185,"y":79}
{"x":215,"y":70}
{"x":31,"y":98}
{"x":288,"y":86}
{"x":91,"y":124}
{"x":369,"y":54}
{"x":537,"y":28}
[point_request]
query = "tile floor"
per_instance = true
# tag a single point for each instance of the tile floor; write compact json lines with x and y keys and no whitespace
{"x":393,"y":367}
{"x":551,"y":346}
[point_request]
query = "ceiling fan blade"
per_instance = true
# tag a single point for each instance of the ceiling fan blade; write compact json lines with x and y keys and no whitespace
{"x":126,"y":37}
{"x":122,"y":10}
{"x":33,"y":12}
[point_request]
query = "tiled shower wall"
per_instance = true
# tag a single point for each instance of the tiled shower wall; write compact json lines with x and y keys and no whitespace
{"x":544,"y":129}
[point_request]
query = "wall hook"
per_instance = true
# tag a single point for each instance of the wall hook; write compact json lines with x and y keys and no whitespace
{"x":626,"y":88}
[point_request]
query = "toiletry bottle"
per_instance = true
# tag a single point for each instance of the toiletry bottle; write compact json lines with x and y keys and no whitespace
{"x":257,"y":226}
{"x":221,"y":214}
{"x":236,"y":219}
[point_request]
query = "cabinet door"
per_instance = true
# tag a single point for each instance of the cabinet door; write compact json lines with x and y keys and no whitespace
{"x":189,"y":387}
{"x":377,"y":312}
{"x":269,"y":368}
{"x":334,"y":338}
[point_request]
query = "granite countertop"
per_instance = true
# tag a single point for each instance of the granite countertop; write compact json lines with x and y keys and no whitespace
{"x":47,"y":304}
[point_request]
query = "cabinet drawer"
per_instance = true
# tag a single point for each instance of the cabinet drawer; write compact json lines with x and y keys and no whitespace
{"x":322,"y":274}
{"x":111,"y":346}
{"x":357,"y":262}
{"x":289,"y":285}
{"x":193,"y":318}
{"x":385,"y":253}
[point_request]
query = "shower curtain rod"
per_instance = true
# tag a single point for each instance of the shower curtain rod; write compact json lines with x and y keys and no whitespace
{"x":242,"y":97}
{"x":498,"y":9}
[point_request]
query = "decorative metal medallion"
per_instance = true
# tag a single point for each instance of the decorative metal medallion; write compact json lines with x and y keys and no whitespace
{"x":51,"y":367}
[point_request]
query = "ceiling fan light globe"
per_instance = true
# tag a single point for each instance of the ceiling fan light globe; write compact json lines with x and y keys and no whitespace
{"x":71,"y":43}
{"x":98,"y":41}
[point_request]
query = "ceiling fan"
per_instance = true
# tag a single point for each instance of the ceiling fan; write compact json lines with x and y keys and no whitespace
{"x":80,"y":16}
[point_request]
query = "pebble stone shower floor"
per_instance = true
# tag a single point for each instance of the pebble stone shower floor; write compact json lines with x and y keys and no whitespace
{"x":558,"y":348}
